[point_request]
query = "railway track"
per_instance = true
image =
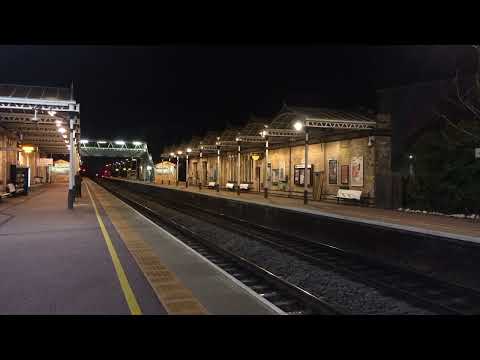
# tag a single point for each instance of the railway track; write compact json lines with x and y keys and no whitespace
{"x":285,"y":296}
{"x":413,"y":287}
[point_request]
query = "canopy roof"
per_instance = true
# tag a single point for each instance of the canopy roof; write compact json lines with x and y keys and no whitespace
{"x":34,"y":114}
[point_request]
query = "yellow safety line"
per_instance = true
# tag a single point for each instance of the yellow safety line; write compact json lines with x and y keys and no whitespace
{"x":127,"y":290}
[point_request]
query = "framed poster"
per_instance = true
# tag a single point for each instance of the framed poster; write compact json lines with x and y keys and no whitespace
{"x":332,"y":172}
{"x":344,"y":174}
{"x":356,"y":171}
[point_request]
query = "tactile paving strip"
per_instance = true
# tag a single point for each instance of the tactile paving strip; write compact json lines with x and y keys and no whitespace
{"x":174,"y":296}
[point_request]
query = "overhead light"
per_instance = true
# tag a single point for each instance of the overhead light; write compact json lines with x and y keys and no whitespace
{"x":51,"y":113}
{"x":62,"y":130}
{"x":137,"y":143}
{"x":124,"y":168}
{"x":58,"y":123}
{"x":120,"y":142}
{"x":27,"y":148}
{"x":179,"y":152}
{"x":237,"y":139}
{"x":298,"y":125}
{"x":83,"y":141}
{"x":66,"y":141}
{"x":172,"y":154}
{"x":410,"y":156}
{"x":189,"y":150}
{"x":149,"y":167}
{"x":64,"y":136}
{"x":101,"y":142}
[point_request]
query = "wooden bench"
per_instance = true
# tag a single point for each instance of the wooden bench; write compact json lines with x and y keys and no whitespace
{"x":355,"y":195}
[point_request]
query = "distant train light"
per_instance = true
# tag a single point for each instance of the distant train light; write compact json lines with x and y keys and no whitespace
{"x":120,"y":142}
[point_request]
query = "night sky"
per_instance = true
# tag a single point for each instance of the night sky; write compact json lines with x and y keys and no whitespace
{"x":165,"y":94}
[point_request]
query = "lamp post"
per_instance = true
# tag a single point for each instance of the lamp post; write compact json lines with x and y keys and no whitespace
{"x":265,"y":185}
{"x":238,"y":166}
{"x":201,"y":169}
{"x":189,"y":150}
{"x":218,"y":164}
{"x":299,"y":125}
{"x":179,"y":152}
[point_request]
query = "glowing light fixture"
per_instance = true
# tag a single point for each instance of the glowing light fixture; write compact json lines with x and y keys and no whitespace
{"x":189,"y":150}
{"x":255,"y":157}
{"x":172,"y":154}
{"x":101,"y":142}
{"x":149,"y":167}
{"x":64,"y":136}
{"x":298,"y":125}
{"x":51,"y":113}
{"x":410,"y":156}
{"x":62,"y":130}
{"x":179,"y":152}
{"x":58,"y":123}
{"x":27,"y":148}
{"x":66,"y":141}
{"x":137,"y":143}
{"x":120,"y":142}
{"x":83,"y":141}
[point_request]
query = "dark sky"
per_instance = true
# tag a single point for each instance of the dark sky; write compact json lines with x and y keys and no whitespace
{"x":162,"y":94}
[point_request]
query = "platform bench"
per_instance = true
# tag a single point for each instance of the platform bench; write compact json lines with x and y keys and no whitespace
{"x":211,"y":184}
{"x":355,"y":195}
{"x":230,"y":186}
{"x":244,"y":187}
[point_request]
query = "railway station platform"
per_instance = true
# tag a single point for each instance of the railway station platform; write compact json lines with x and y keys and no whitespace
{"x":448,"y":227}
{"x":103,"y":257}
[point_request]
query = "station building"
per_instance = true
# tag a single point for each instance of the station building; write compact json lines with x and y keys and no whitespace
{"x":345,"y":150}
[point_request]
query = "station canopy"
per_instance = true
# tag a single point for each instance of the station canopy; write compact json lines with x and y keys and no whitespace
{"x":36,"y":113}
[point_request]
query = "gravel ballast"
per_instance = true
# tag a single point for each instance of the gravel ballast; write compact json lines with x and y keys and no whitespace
{"x":353,"y":296}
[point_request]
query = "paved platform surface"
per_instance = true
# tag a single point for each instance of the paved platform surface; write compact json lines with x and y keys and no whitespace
{"x":461,"y":229}
{"x":59,"y":261}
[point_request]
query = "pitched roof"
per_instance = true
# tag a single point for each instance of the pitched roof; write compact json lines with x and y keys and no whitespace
{"x":35,"y":92}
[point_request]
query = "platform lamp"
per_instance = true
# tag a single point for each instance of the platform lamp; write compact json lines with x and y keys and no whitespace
{"x":218,"y":163}
{"x":179,"y":152}
{"x":264,"y":134}
{"x":189,"y":150}
{"x":298,"y":126}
